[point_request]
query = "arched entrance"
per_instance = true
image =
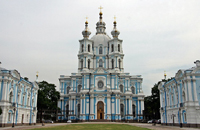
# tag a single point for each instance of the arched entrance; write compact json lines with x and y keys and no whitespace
{"x":100,"y":110}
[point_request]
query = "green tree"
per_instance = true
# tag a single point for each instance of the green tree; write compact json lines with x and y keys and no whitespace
{"x":0,"y":111}
{"x":152,"y":104}
{"x":47,"y":96}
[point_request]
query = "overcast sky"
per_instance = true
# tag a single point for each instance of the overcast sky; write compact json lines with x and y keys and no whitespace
{"x":42,"y":35}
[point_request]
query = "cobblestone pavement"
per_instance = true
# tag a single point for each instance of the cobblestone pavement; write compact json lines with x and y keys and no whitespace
{"x":144,"y":125}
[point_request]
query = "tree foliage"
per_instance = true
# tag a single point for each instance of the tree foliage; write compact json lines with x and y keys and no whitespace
{"x":152,"y":104}
{"x":0,"y":111}
{"x":47,"y":96}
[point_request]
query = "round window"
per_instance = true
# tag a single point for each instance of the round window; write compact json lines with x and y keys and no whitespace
{"x":100,"y":84}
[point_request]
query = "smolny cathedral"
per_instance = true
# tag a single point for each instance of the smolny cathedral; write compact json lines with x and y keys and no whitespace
{"x":101,"y":90}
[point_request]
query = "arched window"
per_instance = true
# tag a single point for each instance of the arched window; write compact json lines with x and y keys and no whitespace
{"x":168,"y":101}
{"x":33,"y":102}
{"x":112,"y":64}
{"x":122,"y":110}
{"x":23,"y":101}
{"x":183,"y":97}
{"x":10,"y":97}
{"x":68,"y":88}
{"x":118,"y":47}
{"x":172,"y":103}
{"x":28,"y":101}
{"x":27,"y":117}
{"x":81,"y":63}
{"x":89,"y":64}
{"x":185,"y":117}
{"x":88,"y":48}
{"x":133,"y":109}
{"x":112,"y":48}
{"x":9,"y":116}
{"x":82,"y":47}
{"x":121,"y":88}
{"x":79,"y":88}
{"x":119,"y":64}
{"x":100,"y":63}
{"x":133,"y":90}
{"x":100,"y":50}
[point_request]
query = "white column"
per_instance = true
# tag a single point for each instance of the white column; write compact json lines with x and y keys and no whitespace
{"x":185,"y":86}
{"x":94,"y":63}
{"x":130,"y":106}
{"x":122,"y":65}
{"x":194,"y":88}
{"x":108,"y":105}
{"x":81,"y":106}
{"x":4,"y":90}
{"x":91,"y":63}
{"x":92,"y":105}
{"x":84,"y":105}
{"x":92,"y":81}
{"x":142,"y":105}
{"x":161,"y":100}
{"x":189,"y":89}
{"x":69,"y":105}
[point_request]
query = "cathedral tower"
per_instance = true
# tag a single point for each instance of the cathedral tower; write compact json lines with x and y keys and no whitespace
{"x":101,"y":89}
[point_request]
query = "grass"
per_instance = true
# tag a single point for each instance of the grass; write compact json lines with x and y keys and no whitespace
{"x":93,"y":127}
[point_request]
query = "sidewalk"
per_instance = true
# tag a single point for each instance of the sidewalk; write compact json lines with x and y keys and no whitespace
{"x":161,"y":127}
{"x":144,"y":125}
{"x":38,"y":125}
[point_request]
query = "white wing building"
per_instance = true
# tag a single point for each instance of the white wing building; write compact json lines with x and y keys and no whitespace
{"x":180,"y":98}
{"x":101,"y":90}
{"x":18,"y":99}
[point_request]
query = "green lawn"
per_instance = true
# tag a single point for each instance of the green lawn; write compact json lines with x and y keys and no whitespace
{"x":93,"y":127}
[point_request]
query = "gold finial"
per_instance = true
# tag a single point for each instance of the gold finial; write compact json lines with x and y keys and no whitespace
{"x":86,"y":22}
{"x":100,"y":8}
{"x":37,"y":74}
{"x":115,"y":18}
{"x":165,"y":74}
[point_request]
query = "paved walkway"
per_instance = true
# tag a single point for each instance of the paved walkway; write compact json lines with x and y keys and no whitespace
{"x":145,"y":125}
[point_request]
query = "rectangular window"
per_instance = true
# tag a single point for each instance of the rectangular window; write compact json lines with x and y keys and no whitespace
{"x":23,"y":101}
{"x":9,"y":116}
{"x":185,"y":117}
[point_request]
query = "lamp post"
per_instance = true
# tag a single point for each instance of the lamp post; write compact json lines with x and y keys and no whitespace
{"x":13,"y":125}
{"x":180,"y":117}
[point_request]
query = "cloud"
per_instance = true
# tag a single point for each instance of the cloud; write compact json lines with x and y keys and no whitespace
{"x":43,"y":35}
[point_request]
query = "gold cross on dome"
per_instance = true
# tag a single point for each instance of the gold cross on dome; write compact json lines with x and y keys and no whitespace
{"x":86,"y":18}
{"x":114,"y":18}
{"x":100,"y":8}
{"x":37,"y":73}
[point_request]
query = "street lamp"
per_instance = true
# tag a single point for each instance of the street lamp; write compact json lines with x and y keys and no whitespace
{"x":13,"y":125}
{"x":180,"y":117}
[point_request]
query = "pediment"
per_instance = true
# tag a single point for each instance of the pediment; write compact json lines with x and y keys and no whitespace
{"x":179,"y":74}
{"x":15,"y":74}
{"x":101,"y":70}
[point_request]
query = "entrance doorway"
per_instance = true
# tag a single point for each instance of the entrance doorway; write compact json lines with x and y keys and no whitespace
{"x":100,"y":110}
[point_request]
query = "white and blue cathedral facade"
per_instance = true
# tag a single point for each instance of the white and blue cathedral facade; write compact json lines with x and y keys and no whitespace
{"x":18,"y":99}
{"x":101,"y":90}
{"x":180,"y":98}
